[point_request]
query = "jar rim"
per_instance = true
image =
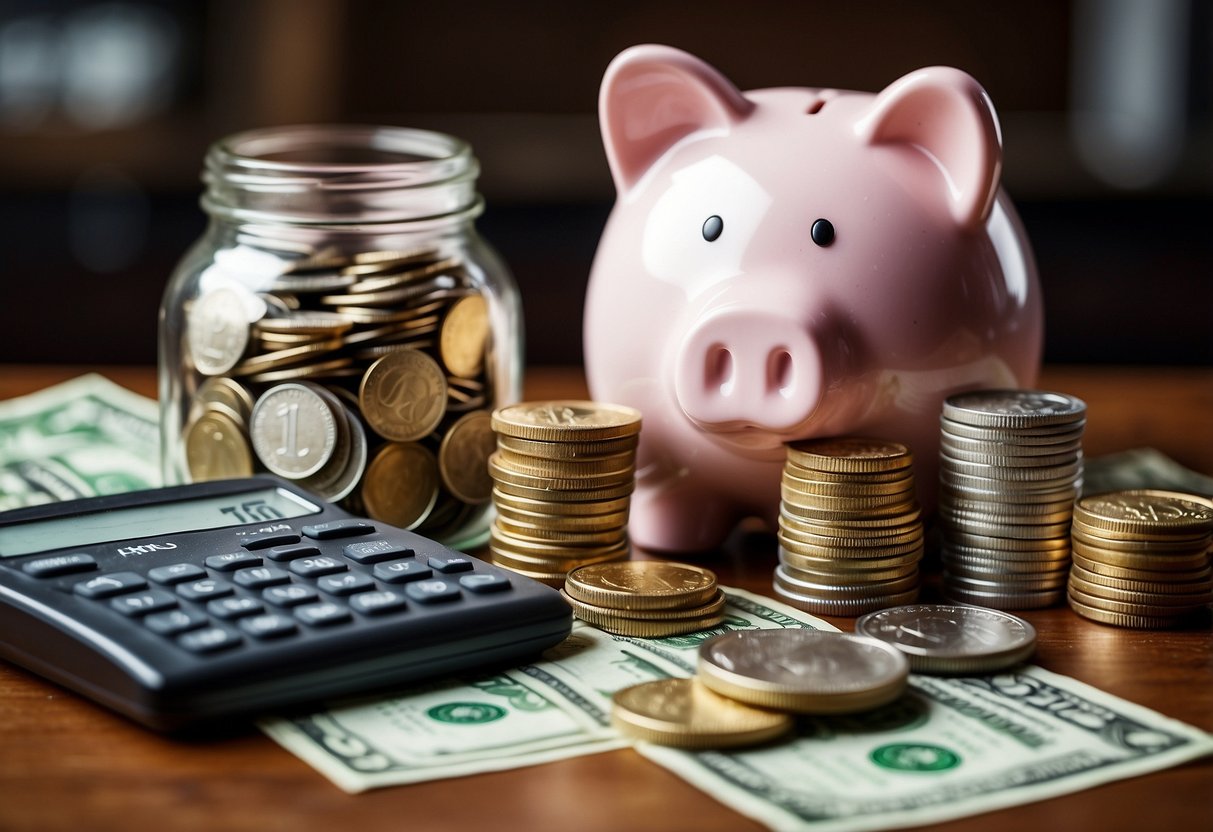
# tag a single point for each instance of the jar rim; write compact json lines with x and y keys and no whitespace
{"x":282,"y":164}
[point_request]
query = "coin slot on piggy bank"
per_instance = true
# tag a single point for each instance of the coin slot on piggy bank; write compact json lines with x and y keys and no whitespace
{"x":791,"y":271}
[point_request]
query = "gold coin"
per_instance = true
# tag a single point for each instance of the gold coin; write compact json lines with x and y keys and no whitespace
{"x":401,"y":484}
{"x":577,"y":545}
{"x":403,"y":395}
{"x":221,"y":390}
{"x":851,"y":521}
{"x":633,"y":628}
{"x":817,"y":534}
{"x":536,"y":526}
{"x":326,"y":324}
{"x":1185,"y":600}
{"x":216,"y":449}
{"x":1135,"y":513}
{"x":903,"y":485}
{"x":1129,"y":607}
{"x":1119,"y":619}
{"x":560,"y":478}
{"x":527,"y":505}
{"x":809,"y":558}
{"x":684,"y":714}
{"x":553,"y":494}
{"x":850,"y":454}
{"x":463,"y":457}
{"x":594,"y":614}
{"x":568,"y":449}
{"x":279,"y":359}
{"x":464,"y":336}
{"x":1170,"y":547}
{"x":554,"y":563}
{"x":642,"y":585}
{"x":572,"y":420}
{"x":866,"y":478}
{"x":1145,"y":559}
{"x":600,"y":466}
{"x":816,"y":505}
{"x":1195,"y":575}
{"x":1204,"y":584}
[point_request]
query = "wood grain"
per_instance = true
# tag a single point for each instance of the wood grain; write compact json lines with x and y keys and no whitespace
{"x":67,"y":764}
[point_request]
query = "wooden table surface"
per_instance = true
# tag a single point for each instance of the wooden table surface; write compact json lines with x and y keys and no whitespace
{"x":67,"y":764}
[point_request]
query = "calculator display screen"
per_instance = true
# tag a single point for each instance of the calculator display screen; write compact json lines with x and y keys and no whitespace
{"x":261,"y":506}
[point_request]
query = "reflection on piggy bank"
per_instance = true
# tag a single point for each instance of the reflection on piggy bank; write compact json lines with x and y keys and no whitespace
{"x":791,"y":263}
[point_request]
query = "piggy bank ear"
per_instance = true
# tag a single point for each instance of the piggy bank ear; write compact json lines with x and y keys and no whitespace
{"x":944,"y":114}
{"x":651,"y":97}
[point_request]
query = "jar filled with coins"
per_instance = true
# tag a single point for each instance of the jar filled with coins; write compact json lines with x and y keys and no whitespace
{"x":342,"y":324}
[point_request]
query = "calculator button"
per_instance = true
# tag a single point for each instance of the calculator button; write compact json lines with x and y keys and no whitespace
{"x":264,"y":540}
{"x":377,"y":603}
{"x":314,"y":567}
{"x":174,"y":622}
{"x":176,"y":573}
{"x":324,"y":614}
{"x":209,"y":640}
{"x":60,"y":565}
{"x":141,"y":603}
{"x":452,"y":563}
{"x":484,"y":582}
{"x":258,"y":577}
{"x":231,"y":561}
{"x":337,"y":528}
{"x":234,"y":607}
{"x":346,"y":584}
{"x":376,"y":551}
{"x":285,"y":553}
{"x":400,"y":571}
{"x":432,"y":592}
{"x":105,"y":586}
{"x":289,"y":596}
{"x":269,"y":625}
{"x":204,"y":590}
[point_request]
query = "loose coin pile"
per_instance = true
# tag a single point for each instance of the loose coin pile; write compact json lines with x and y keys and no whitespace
{"x":850,"y":531}
{"x":952,"y":638}
{"x":685,"y":714}
{"x":1010,"y":468}
{"x":645,"y":599}
{"x":562,"y":478}
{"x":752,"y":672}
{"x":362,"y":376}
{"x":1141,"y":557}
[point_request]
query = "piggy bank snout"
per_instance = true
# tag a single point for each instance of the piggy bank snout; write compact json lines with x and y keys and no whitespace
{"x":747,"y":368}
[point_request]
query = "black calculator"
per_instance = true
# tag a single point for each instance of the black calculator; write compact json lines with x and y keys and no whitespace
{"x":181,"y":606}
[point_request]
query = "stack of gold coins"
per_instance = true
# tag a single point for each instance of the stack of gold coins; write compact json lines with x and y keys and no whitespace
{"x":563,"y":475}
{"x":645,"y":599}
{"x":369,"y":368}
{"x":1141,"y":558}
{"x":1010,"y":468}
{"x":850,"y":531}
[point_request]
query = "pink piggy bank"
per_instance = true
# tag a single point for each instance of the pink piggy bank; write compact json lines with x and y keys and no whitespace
{"x":792,"y":263}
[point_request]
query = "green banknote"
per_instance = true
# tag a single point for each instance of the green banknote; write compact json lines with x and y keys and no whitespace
{"x":949,"y":748}
{"x":85,"y":437}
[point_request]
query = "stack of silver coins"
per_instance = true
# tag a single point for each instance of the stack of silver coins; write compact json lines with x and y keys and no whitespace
{"x":850,"y":531}
{"x":1010,"y":469}
{"x":562,"y":477}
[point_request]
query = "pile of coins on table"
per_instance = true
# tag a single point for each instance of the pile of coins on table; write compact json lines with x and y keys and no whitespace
{"x":1141,"y":557}
{"x":563,"y":475}
{"x":850,"y":530}
{"x":748,"y":683}
{"x":645,"y":599}
{"x":1010,"y":468}
{"x":362,"y":376}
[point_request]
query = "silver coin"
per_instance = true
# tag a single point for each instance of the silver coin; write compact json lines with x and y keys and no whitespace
{"x":1047,"y":435}
{"x":294,"y":431}
{"x":1004,"y":447}
{"x":218,"y":331}
{"x":1013,"y":408}
{"x":952,"y":638}
{"x":802,"y":670}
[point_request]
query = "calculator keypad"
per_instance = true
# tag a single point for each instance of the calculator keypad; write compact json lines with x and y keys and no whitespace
{"x":280,"y":585}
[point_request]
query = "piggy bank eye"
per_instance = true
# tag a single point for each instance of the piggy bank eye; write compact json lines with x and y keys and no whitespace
{"x":712,"y":227}
{"x":822,"y":232}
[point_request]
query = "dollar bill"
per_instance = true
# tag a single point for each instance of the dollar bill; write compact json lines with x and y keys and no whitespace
{"x":82,"y":438}
{"x":951,"y":747}
{"x":1142,"y":468}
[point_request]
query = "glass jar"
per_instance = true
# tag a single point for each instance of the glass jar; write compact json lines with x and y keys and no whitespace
{"x":342,"y":324}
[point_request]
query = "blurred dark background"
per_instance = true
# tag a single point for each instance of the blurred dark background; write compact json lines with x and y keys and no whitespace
{"x":106,"y":110}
